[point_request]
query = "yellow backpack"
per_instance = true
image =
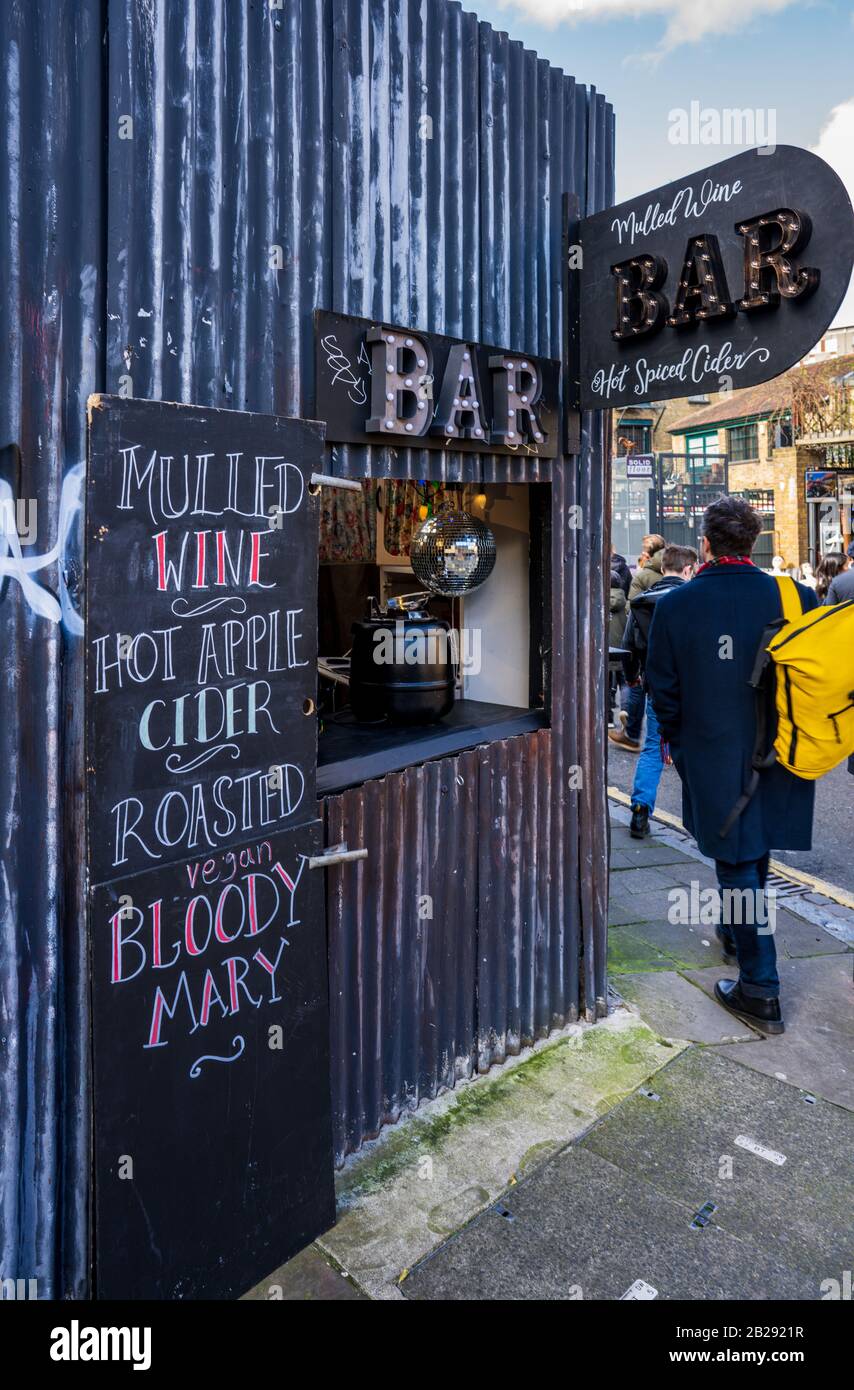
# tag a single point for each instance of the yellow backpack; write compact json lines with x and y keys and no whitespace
{"x":804,"y":672}
{"x":813,"y":657}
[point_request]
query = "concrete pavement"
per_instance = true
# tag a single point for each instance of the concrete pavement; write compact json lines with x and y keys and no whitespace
{"x":581,"y":1168}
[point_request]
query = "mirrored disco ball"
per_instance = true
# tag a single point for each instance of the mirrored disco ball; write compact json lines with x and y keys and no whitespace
{"x":452,"y":553}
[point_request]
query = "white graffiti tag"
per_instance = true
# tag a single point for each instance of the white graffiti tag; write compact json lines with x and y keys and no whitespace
{"x":14,"y":565}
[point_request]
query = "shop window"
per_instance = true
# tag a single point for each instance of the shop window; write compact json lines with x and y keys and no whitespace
{"x":634,"y":437}
{"x":480,"y":672}
{"x":702,"y":445}
{"x":743,"y":442}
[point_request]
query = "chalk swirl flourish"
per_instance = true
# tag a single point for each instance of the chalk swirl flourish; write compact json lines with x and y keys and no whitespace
{"x":238,"y":605}
{"x":174,"y":764}
{"x":238,"y":1042}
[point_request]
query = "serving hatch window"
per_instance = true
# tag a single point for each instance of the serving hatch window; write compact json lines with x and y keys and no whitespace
{"x":430,"y":622}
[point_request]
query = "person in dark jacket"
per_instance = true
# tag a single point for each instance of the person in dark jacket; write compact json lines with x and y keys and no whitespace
{"x":841,"y":586}
{"x":620,"y":568}
{"x":645,"y":576}
{"x":703,"y":642}
{"x":677,"y":566}
{"x":616,"y":627}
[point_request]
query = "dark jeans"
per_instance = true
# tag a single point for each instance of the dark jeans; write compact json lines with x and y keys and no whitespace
{"x":752,"y":941}
{"x":633,"y":700}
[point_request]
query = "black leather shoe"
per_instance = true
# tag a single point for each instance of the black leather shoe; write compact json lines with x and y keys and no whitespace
{"x":727,"y":947}
{"x":763,"y":1014}
{"x":640,"y":822}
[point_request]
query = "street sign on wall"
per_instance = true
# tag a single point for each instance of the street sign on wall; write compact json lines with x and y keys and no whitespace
{"x":212,"y":1116}
{"x":639,"y":465}
{"x":717,"y":281}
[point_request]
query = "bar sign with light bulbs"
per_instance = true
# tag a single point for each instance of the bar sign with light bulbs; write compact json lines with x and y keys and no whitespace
{"x":379,"y":383}
{"x":717,"y":281}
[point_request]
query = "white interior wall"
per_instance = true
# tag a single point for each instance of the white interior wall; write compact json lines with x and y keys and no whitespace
{"x":499,"y":610}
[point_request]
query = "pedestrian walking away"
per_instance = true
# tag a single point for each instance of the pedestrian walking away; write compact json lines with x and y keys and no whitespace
{"x":702,"y":649}
{"x":616,"y":626}
{"x":647,"y":574}
{"x":678,"y":563}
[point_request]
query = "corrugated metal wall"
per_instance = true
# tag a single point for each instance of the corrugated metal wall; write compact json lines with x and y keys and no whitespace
{"x":52,"y":321}
{"x":184,"y":183}
{"x":459,"y":941}
{"x":402,"y":943}
{"x":396,"y":158}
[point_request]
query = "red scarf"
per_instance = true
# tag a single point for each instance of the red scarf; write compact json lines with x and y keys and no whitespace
{"x":727,"y":560}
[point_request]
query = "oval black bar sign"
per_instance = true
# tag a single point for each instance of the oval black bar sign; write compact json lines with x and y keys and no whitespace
{"x":720,"y":280}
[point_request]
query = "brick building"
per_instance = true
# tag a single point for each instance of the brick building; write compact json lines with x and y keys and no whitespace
{"x":776,"y":447}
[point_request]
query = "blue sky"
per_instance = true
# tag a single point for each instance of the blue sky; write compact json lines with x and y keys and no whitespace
{"x":793,"y":58}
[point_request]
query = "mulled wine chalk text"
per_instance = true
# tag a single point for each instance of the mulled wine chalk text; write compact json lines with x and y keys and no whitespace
{"x":228,"y":665}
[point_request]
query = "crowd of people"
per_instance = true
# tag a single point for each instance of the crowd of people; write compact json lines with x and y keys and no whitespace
{"x":687,"y":628}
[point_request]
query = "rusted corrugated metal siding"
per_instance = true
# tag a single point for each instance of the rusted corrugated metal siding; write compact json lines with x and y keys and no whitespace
{"x":457,"y":943}
{"x":51,"y":328}
{"x":402,"y":943}
{"x":527,"y":981}
{"x":388,"y":158}
{"x":183,"y":184}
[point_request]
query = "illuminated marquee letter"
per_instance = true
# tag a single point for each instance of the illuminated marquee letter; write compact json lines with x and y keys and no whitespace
{"x":769,"y":244}
{"x":516,"y":388}
{"x":702,"y":292}
{"x":458,"y":414}
{"x":401,"y":367}
{"x":641,"y":308}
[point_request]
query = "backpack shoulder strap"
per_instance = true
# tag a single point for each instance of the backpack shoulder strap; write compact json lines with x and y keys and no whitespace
{"x":789,"y":597}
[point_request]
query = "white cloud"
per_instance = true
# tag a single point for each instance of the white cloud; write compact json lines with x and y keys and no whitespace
{"x":687,"y":21}
{"x":836,"y":146}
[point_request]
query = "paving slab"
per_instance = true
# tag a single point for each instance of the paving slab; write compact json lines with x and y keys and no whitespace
{"x":816,"y":1052}
{"x":582,"y":1228}
{"x":650,"y":878}
{"x":645,"y":905}
{"x":676,"y":1008}
{"x":624,"y":911}
{"x":690,"y":946}
{"x":308,"y":1277}
{"x":685,"y":872}
{"x":423,"y":1178}
{"x":630,"y":953}
{"x":797,"y":937}
{"x":684,"y":1145}
{"x":633,"y":854}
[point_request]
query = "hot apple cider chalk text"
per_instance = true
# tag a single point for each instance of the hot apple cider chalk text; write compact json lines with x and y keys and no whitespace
{"x":235,"y":662}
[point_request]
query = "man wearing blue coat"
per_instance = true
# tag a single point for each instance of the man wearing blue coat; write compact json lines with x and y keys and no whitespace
{"x":702,"y":647}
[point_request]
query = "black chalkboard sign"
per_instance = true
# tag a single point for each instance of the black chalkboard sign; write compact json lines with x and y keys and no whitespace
{"x":213,"y":1151}
{"x":201,"y":628}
